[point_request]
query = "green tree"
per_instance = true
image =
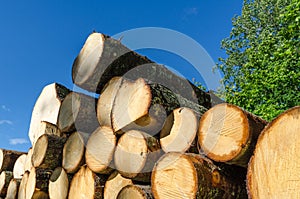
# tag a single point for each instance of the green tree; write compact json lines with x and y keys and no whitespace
{"x":262,"y":67}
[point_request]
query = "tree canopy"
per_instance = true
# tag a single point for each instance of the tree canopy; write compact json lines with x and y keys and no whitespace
{"x":262,"y":67}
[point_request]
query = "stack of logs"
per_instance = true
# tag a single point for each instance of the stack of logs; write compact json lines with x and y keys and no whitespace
{"x":149,"y":134}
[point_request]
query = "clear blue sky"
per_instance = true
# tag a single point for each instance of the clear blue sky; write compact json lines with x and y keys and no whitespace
{"x":40,"y":39}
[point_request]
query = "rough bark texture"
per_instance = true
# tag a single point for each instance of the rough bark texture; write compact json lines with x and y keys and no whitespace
{"x":40,"y":195}
{"x":273,"y":170}
{"x":78,"y":113}
{"x":47,"y":152}
{"x":38,"y":180}
{"x":147,"y":106}
{"x":229,"y":134}
{"x":117,"y":60}
{"x":193,"y":176}
{"x":5,"y":178}
{"x":8,"y":159}
{"x":13,"y":188}
{"x":86,"y":184}
{"x":136,"y":192}
{"x":46,"y":108}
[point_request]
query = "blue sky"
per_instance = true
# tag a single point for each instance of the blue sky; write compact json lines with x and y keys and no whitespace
{"x":40,"y":39}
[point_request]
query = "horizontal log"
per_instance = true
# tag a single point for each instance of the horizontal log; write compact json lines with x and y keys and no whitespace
{"x":229,"y":134}
{"x":19,"y":167}
{"x":273,"y":171}
{"x":5,"y":178}
{"x":102,"y":58}
{"x":8,"y":159}
{"x":13,"y":188}
{"x":136,"y":191}
{"x":59,"y":184}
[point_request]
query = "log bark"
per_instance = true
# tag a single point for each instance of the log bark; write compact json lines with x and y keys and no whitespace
{"x":38,"y":180}
{"x":46,"y":108}
{"x":145,"y":107}
{"x":59,"y":184}
{"x":22,"y":188}
{"x":103,"y":58}
{"x":136,"y":192}
{"x":47,"y":152}
{"x":179,"y":175}
{"x":273,"y":171}
{"x":106,"y":100}
{"x":19,"y":167}
{"x":100,"y":149}
{"x":8,"y":159}
{"x":28,"y":163}
{"x":229,"y":134}
{"x":135,"y":155}
{"x":78,"y":113}
{"x":73,"y":152}
{"x":40,"y":195}
{"x":5,"y":178}
{"x":87,"y":184}
{"x":179,"y":131}
{"x":13,"y":188}
{"x":114,"y":184}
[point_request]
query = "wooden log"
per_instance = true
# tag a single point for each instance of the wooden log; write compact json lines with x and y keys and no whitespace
{"x":8,"y":159}
{"x":114,"y":184}
{"x":47,"y":152}
{"x":38,"y":180}
{"x":22,"y":187}
{"x":46,"y":108}
{"x":179,"y":131}
{"x":100,"y":149}
{"x":59,"y":184}
{"x":145,"y":107}
{"x":179,"y":175}
{"x":103,"y":58}
{"x":229,"y":134}
{"x":28,"y":163}
{"x":40,"y":195}
{"x":13,"y":188}
{"x":73,"y":152}
{"x":50,"y":129}
{"x":273,"y":170}
{"x":87,"y":184}
{"x":5,"y":178}
{"x":78,"y":113}
{"x":135,"y":155}
{"x":106,"y":100}
{"x":19,"y":167}
{"x":136,"y":192}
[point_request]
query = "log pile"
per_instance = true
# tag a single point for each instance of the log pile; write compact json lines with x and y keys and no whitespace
{"x":150,"y":134}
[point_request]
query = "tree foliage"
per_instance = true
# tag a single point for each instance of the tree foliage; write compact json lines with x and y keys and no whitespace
{"x":262,"y":67}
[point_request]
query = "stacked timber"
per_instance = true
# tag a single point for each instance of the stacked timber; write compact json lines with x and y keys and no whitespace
{"x":149,"y":134}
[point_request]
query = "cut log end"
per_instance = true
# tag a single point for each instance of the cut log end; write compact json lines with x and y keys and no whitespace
{"x":106,"y":100}
{"x":137,"y":97}
{"x":22,"y":188}
{"x":58,"y":184}
{"x":8,"y":159}
{"x":223,"y":132}
{"x":135,"y":192}
{"x":100,"y":149}
{"x":131,"y":153}
{"x":86,"y":184}
{"x":114,"y":184}
{"x":86,"y":62}
{"x":19,"y":167}
{"x":39,"y":152}
{"x":5,"y":178}
{"x":13,"y":189}
{"x":273,"y":171}
{"x":171,"y":176}
{"x":73,"y":152}
{"x":179,"y":131}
